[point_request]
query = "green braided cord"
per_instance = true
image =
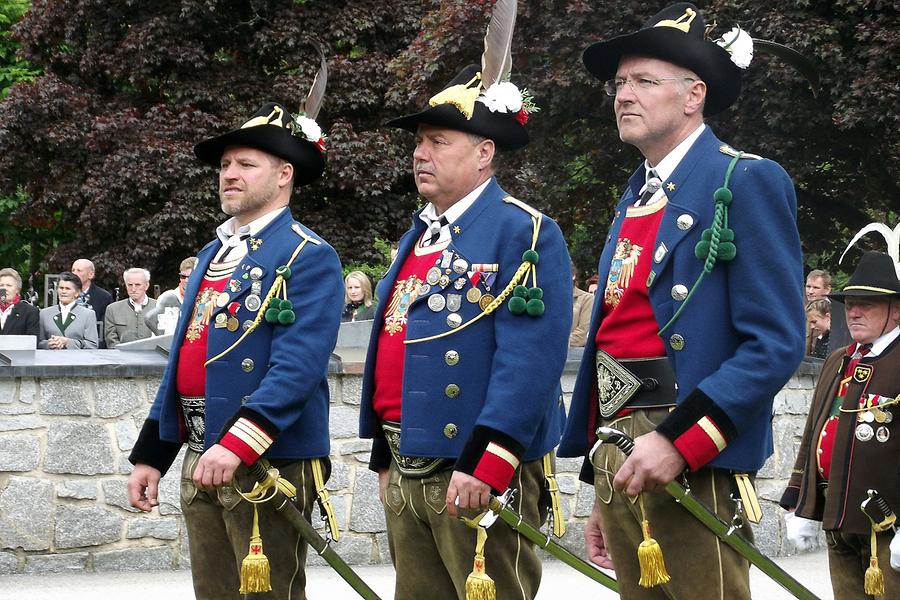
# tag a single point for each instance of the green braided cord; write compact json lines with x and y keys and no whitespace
{"x":720,"y":220}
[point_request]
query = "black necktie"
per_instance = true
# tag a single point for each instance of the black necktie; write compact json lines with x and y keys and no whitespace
{"x":228,"y":250}
{"x":653,"y":184}
{"x":434,"y":229}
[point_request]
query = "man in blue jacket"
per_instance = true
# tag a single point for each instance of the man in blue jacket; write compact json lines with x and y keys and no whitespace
{"x":247,"y":373}
{"x":461,"y":389}
{"x":687,"y":365}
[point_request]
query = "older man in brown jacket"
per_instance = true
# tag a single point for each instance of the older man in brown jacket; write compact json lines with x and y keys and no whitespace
{"x":852,"y":436}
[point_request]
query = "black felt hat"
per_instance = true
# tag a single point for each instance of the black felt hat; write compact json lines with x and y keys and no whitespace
{"x":507,"y":131}
{"x":676,"y":34}
{"x":875,"y":275}
{"x":272,"y":130}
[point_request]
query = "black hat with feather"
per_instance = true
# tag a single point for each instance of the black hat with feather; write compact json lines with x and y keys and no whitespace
{"x":483,"y":101}
{"x":677,"y":34}
{"x":298,"y":139}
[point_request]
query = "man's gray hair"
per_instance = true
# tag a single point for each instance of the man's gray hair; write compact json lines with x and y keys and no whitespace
{"x":135,"y":270}
{"x":477,"y":139}
{"x":9,"y":272}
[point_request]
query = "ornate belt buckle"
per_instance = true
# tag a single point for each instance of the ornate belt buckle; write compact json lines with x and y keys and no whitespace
{"x":615,"y":384}
{"x":415,"y":467}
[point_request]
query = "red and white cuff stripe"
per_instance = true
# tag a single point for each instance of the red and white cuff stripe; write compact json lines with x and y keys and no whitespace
{"x":496,"y":466}
{"x":701,"y":443}
{"x":246,"y":439}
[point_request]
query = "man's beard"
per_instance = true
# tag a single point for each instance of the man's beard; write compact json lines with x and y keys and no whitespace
{"x":247,"y":202}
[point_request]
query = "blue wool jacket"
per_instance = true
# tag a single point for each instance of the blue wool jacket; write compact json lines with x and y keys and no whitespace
{"x":509,"y":365}
{"x":743,"y":330}
{"x":285,"y":391}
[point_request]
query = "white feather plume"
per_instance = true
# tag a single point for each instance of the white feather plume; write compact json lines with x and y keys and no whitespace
{"x":891,"y":237}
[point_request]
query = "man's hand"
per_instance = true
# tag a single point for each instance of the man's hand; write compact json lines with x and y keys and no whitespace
{"x":143,"y":486}
{"x":472,"y":493}
{"x":594,"y":542}
{"x":215,"y":468}
{"x":654,"y":462}
{"x":382,"y":483}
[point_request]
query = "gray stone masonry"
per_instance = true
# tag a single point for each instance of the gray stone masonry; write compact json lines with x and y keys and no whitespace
{"x":64,"y":443}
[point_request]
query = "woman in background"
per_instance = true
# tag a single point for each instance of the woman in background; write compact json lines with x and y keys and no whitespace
{"x":358,"y":302}
{"x":818,"y":319}
{"x":68,"y":325}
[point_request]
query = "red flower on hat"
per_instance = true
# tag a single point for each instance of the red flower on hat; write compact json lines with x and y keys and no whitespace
{"x":321,"y":145}
{"x":522,"y":116}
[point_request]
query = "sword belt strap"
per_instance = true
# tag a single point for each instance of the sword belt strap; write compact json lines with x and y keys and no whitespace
{"x":415,"y":467}
{"x":747,"y":494}
{"x":322,"y":498}
{"x":557,"y":520}
{"x":633,"y":383}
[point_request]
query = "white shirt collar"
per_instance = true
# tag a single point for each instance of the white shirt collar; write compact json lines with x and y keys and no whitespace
{"x":670,"y":162}
{"x":135,"y":306}
{"x":879,"y":345}
{"x":65,"y":309}
{"x":429,"y":213}
{"x":226,"y":231}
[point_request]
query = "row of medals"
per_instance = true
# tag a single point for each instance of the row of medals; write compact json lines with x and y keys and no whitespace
{"x":880,"y":417}
{"x":252,"y":303}
{"x":439,"y":275}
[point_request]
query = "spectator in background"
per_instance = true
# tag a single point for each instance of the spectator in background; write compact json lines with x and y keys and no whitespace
{"x":582,"y":302}
{"x":818,"y":285}
{"x":818,"y":319}
{"x":124,"y":321}
{"x":358,"y":302}
{"x":68,"y":325}
{"x":92,"y":296}
{"x":591,"y":283}
{"x":164,"y":316}
{"x":16,"y":316}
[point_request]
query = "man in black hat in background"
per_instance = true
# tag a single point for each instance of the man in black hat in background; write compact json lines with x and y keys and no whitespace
{"x":461,"y":388}
{"x":730,"y":339}
{"x":247,"y":373}
{"x":852,"y":436}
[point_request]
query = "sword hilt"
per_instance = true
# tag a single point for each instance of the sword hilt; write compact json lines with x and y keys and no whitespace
{"x":259,"y":472}
{"x":608,"y":435}
{"x":879,"y":512}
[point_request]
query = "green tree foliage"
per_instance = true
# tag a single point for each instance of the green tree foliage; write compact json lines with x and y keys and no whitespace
{"x":103,"y":139}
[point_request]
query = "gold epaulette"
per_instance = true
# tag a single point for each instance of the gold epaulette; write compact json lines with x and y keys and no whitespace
{"x":726,"y":149}
{"x":299,"y":231}
{"x":516,"y":202}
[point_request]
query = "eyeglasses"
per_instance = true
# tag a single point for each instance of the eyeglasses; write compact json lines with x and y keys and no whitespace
{"x":641,"y":84}
{"x":183,"y":276}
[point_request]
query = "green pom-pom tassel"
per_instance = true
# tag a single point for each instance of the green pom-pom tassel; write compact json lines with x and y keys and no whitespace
{"x":286,"y":305}
{"x":723,"y":195}
{"x":701,"y":250}
{"x":727,"y":251}
{"x":284,"y":271}
{"x":520,"y":291}
{"x":530,"y":256}
{"x":286,"y":317}
{"x":535,"y":307}
{"x":706,"y":235}
{"x":274,"y":303}
{"x":535,"y":293}
{"x":272,"y":315}
{"x":726,"y":235}
{"x":517,"y":305}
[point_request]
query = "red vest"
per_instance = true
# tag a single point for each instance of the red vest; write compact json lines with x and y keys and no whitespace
{"x":389,"y":359}
{"x":628,"y":328}
{"x":190,"y":375}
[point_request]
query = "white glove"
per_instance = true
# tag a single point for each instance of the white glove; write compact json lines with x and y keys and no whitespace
{"x":802,"y":532}
{"x":895,"y":551}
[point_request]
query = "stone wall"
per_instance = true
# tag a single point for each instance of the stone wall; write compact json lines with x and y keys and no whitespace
{"x":64,"y":443}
